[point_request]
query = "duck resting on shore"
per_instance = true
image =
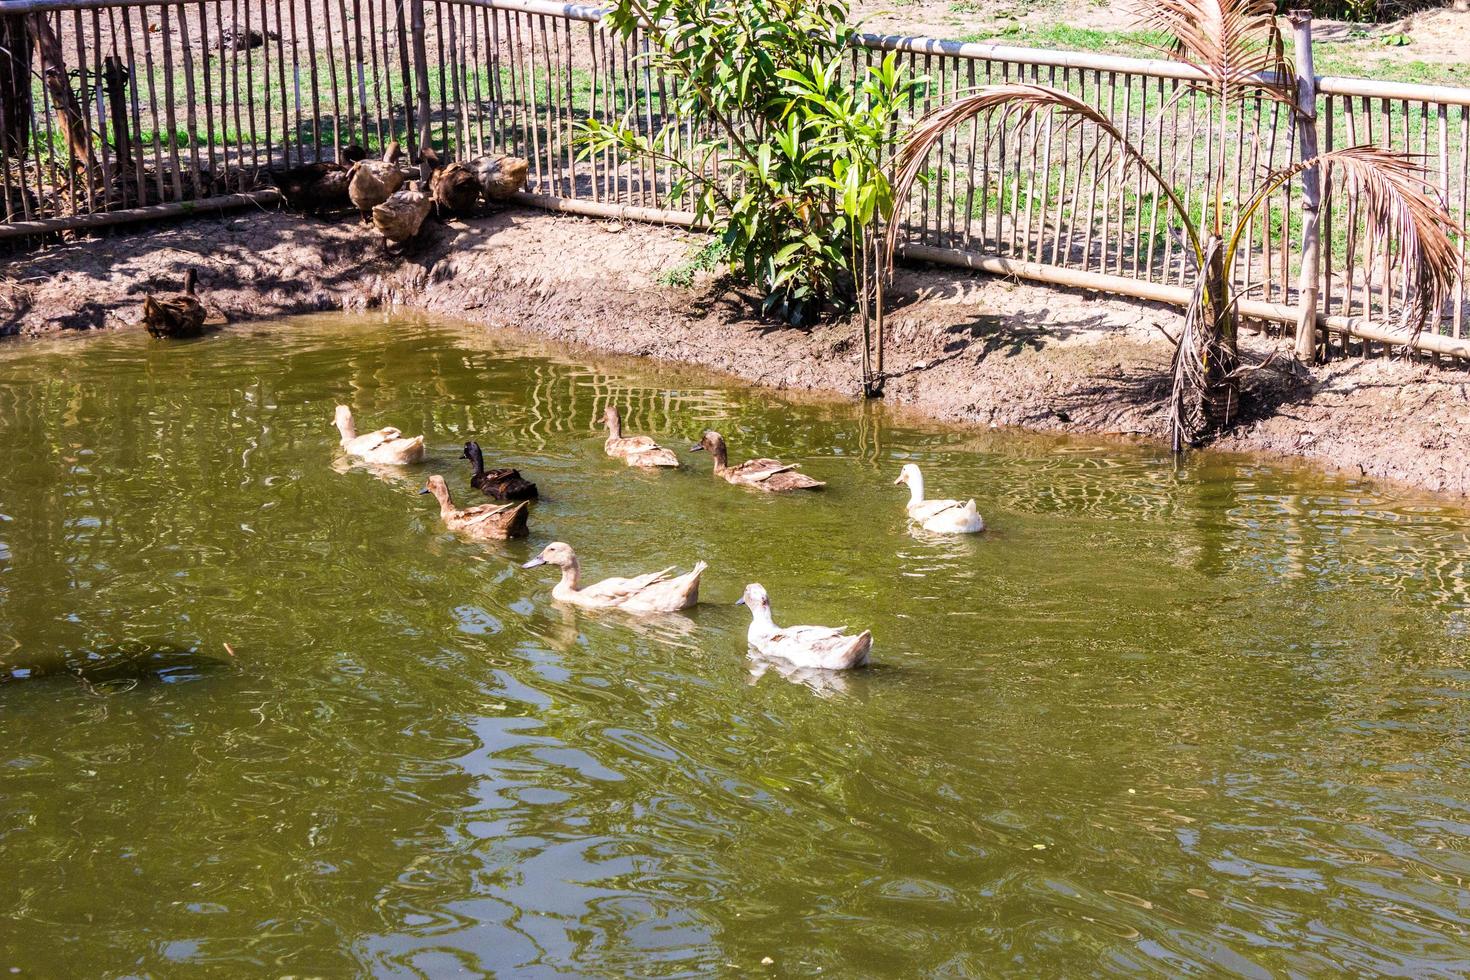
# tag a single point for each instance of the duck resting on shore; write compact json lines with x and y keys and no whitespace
{"x":634,"y":450}
{"x":770,"y":475}
{"x":819,"y":647}
{"x":372,"y":182}
{"x":503,"y":483}
{"x":486,"y":522}
{"x":940,"y":516}
{"x":654,"y":592}
{"x":387,"y":445}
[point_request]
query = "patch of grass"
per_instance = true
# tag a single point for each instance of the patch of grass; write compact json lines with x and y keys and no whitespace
{"x":707,"y":258}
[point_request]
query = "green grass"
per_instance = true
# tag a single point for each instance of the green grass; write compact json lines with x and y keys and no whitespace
{"x":707,"y":258}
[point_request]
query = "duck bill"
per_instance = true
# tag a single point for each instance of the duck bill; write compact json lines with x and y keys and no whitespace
{"x":536,"y":562}
{"x":740,"y":601}
{"x":899,"y":480}
{"x":697,"y":449}
{"x":425,"y":492}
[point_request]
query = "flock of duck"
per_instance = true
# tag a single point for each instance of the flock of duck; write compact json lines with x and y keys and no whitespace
{"x":811,"y":647}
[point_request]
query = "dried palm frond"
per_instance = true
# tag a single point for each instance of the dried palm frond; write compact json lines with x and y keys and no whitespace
{"x":1401,"y":206}
{"x":1017,"y":104}
{"x":1235,"y":43}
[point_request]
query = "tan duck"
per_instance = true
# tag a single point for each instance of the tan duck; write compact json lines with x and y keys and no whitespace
{"x":175,"y":317}
{"x":939,"y":516}
{"x":384,"y":446}
{"x":400,"y":218}
{"x":819,"y":647}
{"x":634,"y":450}
{"x":500,"y":177}
{"x":455,"y":190}
{"x":372,"y":182}
{"x":487,"y":521}
{"x":770,"y":475}
{"x":654,"y":592}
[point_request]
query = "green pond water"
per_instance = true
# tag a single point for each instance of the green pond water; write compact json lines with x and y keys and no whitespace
{"x":1203,"y":719}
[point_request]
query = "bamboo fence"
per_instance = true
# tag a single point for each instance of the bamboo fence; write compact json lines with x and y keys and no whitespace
{"x":127,"y":110}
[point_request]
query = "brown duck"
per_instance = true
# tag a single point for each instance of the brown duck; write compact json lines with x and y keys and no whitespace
{"x":318,"y":187}
{"x":455,"y":189}
{"x":486,"y":522}
{"x":176,"y":317}
{"x":770,"y":475}
{"x":501,"y":483}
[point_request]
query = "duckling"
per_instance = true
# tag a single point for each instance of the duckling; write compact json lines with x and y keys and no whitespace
{"x":503,"y":483}
{"x":500,"y":177}
{"x":456,"y":190}
{"x":372,"y":182}
{"x":770,"y":475}
{"x":486,"y":522}
{"x":654,"y":592}
{"x":401,"y":217}
{"x":384,"y":446}
{"x":817,"y":647}
{"x":318,"y":187}
{"x":634,"y":450}
{"x":940,"y":516}
{"x":178,"y":316}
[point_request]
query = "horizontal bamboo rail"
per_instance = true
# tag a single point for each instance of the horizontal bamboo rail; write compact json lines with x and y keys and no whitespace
{"x":164,"y":112}
{"x":154,"y":212}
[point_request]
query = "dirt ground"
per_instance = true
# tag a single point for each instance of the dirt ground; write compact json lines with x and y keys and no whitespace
{"x":962,"y":347}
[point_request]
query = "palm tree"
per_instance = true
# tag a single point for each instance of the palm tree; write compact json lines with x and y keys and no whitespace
{"x":1238,"y":50}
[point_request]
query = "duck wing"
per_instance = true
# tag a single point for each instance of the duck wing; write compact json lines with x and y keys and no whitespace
{"x":762,"y":469}
{"x":819,"y":646}
{"x":475,"y":516}
{"x":621,"y":589}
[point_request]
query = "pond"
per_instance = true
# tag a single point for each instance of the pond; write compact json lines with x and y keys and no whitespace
{"x":262,"y":715}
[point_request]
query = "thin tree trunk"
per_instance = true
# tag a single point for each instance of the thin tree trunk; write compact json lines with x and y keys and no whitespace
{"x":68,"y":113}
{"x":421,"y":71}
{"x":1221,"y":356}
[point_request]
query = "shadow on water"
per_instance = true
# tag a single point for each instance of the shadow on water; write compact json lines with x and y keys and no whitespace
{"x":119,"y":668}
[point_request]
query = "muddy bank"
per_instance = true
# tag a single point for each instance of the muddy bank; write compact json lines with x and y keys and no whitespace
{"x":963,"y":348}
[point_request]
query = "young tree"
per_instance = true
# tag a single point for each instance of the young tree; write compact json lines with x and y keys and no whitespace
{"x":1237,"y":48}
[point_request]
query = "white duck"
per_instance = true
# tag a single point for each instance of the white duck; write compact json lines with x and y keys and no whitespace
{"x":941,"y":516}
{"x":654,"y":592}
{"x":805,"y":646}
{"x":384,"y":446}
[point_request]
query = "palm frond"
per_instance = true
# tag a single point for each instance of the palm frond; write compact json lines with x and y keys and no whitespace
{"x":1017,"y":104}
{"x":1401,"y":207}
{"x":1234,"y":42}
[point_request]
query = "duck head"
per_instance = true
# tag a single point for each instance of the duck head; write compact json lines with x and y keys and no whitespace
{"x":711,"y":440}
{"x":612,"y":420}
{"x":345,"y":425}
{"x":755,"y":598}
{"x":437,"y":487}
{"x":557,"y":553}
{"x":909,"y":474}
{"x":472,"y":452}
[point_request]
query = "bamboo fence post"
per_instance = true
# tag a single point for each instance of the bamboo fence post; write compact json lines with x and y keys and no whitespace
{"x":1309,"y":281}
{"x":421,"y":71}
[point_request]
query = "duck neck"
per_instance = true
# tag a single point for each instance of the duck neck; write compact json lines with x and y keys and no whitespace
{"x":347,"y":427}
{"x":614,"y":426}
{"x":477,"y":460}
{"x":446,"y":503}
{"x":916,"y":490}
{"x":720,"y":455}
{"x":571,"y":578}
{"x":761,"y":620}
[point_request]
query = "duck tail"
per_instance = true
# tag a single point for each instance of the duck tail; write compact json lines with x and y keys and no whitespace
{"x":699,"y":569}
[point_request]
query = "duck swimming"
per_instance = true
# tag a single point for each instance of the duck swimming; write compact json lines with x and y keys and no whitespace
{"x":940,"y":516}
{"x":818,"y":647}
{"x":634,"y":450}
{"x":770,"y":475}
{"x":654,"y":592}
{"x":487,"y":521}
{"x":177,"y":317}
{"x":384,"y":446}
{"x":502,"y":483}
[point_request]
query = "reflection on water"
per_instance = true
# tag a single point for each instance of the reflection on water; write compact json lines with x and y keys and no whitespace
{"x":1160,"y":718}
